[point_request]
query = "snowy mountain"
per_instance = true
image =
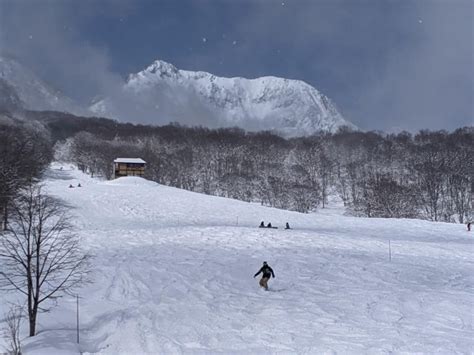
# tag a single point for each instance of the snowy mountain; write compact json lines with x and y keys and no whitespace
{"x":21,"y":88}
{"x":173,"y":274}
{"x":161,"y":93}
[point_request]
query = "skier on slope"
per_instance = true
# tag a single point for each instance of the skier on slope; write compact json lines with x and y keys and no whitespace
{"x":267,"y":272}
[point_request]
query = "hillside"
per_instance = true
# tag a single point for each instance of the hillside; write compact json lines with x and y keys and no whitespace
{"x":173,"y":274}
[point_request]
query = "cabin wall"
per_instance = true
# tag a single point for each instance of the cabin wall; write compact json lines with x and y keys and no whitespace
{"x":129,"y":169}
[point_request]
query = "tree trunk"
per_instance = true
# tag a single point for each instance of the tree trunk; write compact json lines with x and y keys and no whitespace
{"x":32,"y":321}
{"x":5,"y":216}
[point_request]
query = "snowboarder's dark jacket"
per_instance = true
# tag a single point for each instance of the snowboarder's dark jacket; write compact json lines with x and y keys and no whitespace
{"x":267,"y":272}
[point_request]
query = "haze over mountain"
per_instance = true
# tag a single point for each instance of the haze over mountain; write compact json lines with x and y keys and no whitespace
{"x":21,"y":88}
{"x":162,"y":92}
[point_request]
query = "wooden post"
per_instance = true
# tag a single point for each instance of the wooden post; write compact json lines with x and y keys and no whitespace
{"x":77,"y":317}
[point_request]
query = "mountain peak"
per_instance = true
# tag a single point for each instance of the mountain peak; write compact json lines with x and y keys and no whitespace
{"x":162,"y":93}
{"x":162,"y":67}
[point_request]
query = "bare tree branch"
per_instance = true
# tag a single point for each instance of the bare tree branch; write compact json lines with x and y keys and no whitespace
{"x":40,"y":256}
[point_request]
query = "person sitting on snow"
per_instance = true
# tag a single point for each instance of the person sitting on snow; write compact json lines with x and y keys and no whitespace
{"x":287,"y":226}
{"x":262,"y":225}
{"x":267,"y":272}
{"x":269,"y":225}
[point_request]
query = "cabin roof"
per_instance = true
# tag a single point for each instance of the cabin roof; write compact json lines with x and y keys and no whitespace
{"x":130,"y":160}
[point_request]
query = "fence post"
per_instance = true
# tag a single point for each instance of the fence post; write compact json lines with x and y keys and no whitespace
{"x":77,"y":317}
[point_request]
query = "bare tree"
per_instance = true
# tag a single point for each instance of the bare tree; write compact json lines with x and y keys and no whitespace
{"x":11,"y":330}
{"x":40,"y":256}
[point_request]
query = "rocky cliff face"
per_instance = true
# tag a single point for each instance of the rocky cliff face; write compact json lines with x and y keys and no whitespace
{"x":161,"y":93}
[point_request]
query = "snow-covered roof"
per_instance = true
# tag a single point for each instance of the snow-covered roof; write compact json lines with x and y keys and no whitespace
{"x":130,"y":160}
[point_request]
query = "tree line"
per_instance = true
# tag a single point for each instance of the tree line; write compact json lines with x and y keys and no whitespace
{"x":427,"y":175}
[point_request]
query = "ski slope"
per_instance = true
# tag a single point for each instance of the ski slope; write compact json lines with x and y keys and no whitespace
{"x":173,"y":274}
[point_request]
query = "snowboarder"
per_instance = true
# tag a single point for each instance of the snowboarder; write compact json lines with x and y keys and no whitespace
{"x":267,"y":272}
{"x":70,"y":186}
{"x":287,"y":226}
{"x":262,"y":225}
{"x":269,"y":225}
{"x":79,"y":185}
{"x":468,"y":226}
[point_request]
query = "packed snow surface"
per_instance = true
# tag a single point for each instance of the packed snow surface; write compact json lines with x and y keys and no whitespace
{"x":173,"y":273}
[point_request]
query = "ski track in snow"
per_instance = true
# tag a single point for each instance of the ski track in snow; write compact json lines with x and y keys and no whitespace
{"x":173,"y":274}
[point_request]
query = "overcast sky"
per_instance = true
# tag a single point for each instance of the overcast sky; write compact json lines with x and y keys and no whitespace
{"x":388,"y":65}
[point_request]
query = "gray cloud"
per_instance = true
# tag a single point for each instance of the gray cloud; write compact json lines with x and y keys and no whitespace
{"x":160,"y":106}
{"x":428,"y":84}
{"x":394,"y":65}
{"x":44,"y":36}
{"x":388,"y":65}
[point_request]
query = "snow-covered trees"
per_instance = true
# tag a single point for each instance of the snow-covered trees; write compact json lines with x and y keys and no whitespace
{"x":383,"y":196}
{"x":25,"y":151}
{"x":428,"y":175}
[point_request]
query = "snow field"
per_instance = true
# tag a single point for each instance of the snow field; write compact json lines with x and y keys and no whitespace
{"x":173,"y":274}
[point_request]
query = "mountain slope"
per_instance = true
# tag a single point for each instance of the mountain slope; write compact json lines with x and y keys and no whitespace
{"x":173,"y":273}
{"x":21,"y":88}
{"x":163,"y":93}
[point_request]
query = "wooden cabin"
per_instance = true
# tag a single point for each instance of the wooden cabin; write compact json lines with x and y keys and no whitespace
{"x":129,"y":167}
